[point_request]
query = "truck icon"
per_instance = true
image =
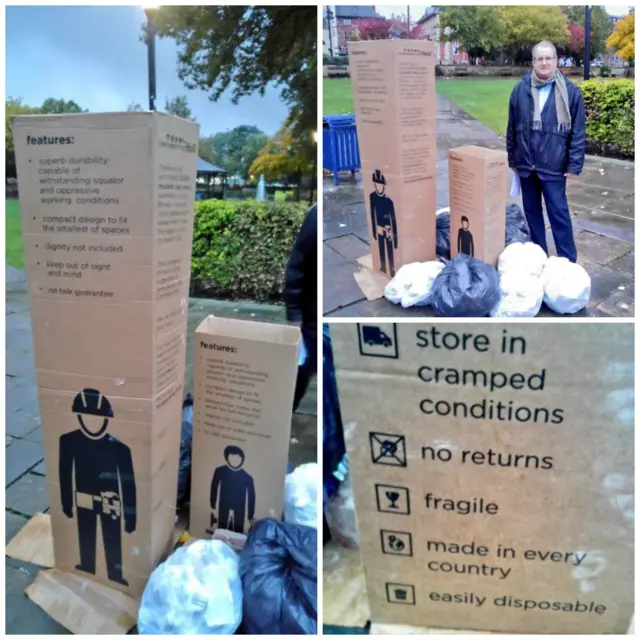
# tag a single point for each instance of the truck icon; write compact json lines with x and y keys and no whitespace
{"x":374,"y":336}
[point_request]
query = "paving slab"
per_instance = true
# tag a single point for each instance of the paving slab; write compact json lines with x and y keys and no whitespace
{"x":27,"y":495}
{"x":21,"y":456}
{"x":22,"y":423}
{"x":601,"y":200}
{"x":13,"y":523}
{"x":24,"y":617}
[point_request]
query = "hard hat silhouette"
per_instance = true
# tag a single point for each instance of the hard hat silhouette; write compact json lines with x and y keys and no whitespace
{"x":378,"y":177}
{"x":91,"y":402}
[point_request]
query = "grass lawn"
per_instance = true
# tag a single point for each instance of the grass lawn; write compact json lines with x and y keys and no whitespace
{"x":486,"y":99}
{"x":15,"y":250}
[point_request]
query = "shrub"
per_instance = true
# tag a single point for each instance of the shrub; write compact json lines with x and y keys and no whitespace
{"x":605,"y":71}
{"x":610,"y":108}
{"x":241,"y":248}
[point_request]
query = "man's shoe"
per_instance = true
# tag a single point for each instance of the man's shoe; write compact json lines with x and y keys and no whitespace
{"x":79,"y":567}
{"x":120,"y":581}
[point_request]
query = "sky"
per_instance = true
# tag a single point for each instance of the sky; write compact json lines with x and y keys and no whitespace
{"x":93,"y":55}
{"x":417,"y":11}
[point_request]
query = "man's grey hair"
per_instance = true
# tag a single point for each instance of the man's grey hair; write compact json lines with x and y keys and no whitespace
{"x":545,"y":44}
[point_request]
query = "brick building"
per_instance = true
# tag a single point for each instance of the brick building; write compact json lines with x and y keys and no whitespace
{"x":346,"y":21}
{"x":446,"y":52}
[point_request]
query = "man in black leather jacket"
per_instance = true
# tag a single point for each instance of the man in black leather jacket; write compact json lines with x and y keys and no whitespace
{"x":301,"y":297}
{"x":545,"y":145}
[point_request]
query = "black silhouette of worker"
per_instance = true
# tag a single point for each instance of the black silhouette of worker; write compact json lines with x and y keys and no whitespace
{"x":383,"y":222}
{"x":96,"y":476}
{"x":232,"y":493}
{"x":465,"y":239}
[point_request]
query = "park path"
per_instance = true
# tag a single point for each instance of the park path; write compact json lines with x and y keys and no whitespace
{"x":601,"y":202}
{"x":25,"y":479}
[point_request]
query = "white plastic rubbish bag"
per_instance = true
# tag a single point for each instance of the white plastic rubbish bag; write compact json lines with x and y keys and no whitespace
{"x":525,"y":257}
{"x":521,"y":296}
{"x":301,"y":495}
{"x":401,"y":282}
{"x":412,"y":285}
{"x":567,"y":286}
{"x":196,"y":591}
{"x":418,"y":294}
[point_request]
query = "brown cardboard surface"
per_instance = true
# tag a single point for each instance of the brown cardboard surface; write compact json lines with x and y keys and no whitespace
{"x":34,"y":542}
{"x":107,"y":214}
{"x":244,"y":380}
{"x":371,"y":283}
{"x":478,"y":192}
{"x":344,"y":594}
{"x":83,"y":606}
{"x":562,"y":534}
{"x":395,"y":104}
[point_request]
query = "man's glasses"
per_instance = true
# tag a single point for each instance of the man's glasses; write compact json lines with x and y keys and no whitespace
{"x":544,"y":59}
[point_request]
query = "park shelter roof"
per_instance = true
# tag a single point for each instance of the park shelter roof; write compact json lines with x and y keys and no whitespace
{"x":207,"y":167}
{"x":355,"y":11}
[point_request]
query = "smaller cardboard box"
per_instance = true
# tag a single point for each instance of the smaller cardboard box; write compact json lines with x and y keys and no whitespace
{"x":394,"y":94}
{"x":478,"y":197}
{"x":244,"y":382}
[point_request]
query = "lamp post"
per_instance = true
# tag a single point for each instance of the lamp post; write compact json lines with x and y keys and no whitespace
{"x":587,"y":42}
{"x":329,"y":16}
{"x":151,"y":55}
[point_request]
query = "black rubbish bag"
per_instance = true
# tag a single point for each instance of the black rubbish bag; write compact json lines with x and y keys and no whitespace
{"x":465,"y":288}
{"x":443,"y":236}
{"x":278,"y":568}
{"x":517,"y":228}
{"x":186,"y":436}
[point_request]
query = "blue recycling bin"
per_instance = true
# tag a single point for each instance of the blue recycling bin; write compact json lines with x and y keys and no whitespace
{"x":340,"y":149}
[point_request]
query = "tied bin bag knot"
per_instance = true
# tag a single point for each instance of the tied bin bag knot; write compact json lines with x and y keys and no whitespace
{"x":465,"y":288}
{"x":278,"y":568}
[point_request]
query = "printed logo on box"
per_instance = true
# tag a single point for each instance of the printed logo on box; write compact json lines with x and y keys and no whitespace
{"x":388,"y":448}
{"x":378,"y":341}
{"x":400,"y":593}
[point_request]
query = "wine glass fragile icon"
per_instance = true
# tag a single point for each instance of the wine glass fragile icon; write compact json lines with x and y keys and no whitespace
{"x":393,"y":497}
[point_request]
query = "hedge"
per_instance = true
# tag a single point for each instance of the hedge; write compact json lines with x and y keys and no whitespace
{"x":610,"y":108}
{"x":334,"y":60}
{"x":241,"y":248}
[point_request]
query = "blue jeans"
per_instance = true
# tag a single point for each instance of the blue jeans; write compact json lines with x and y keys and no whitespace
{"x":555,"y":199}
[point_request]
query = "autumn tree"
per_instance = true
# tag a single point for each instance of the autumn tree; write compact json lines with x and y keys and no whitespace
{"x":179,"y":106}
{"x":374,"y":29}
{"x":242,"y":50}
{"x":478,"y":29}
{"x":525,"y":26}
{"x":622,"y":40}
{"x":601,"y":26}
{"x":575,"y":44}
{"x":285,"y":157}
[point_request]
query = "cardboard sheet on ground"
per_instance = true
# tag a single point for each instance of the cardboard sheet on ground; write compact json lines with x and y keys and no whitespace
{"x":79,"y":604}
{"x":34,"y":542}
{"x":492,"y":471}
{"x":83,"y":606}
{"x":370,"y":282}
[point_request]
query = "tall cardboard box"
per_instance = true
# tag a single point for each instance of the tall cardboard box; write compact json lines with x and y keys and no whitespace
{"x":107,"y":218}
{"x":493,"y":473}
{"x":244,"y":381}
{"x":478,"y":200}
{"x":394,"y":92}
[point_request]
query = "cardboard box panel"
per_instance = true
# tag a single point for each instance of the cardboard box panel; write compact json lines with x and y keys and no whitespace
{"x":395,"y":105}
{"x":478,"y":192}
{"x":109,"y":316}
{"x":244,"y":379}
{"x":491,"y":463}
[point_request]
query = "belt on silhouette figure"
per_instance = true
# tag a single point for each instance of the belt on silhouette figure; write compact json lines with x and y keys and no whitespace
{"x":107,"y":502}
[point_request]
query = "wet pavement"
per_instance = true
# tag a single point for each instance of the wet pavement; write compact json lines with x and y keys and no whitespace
{"x":600,"y":199}
{"x":25,"y":480}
